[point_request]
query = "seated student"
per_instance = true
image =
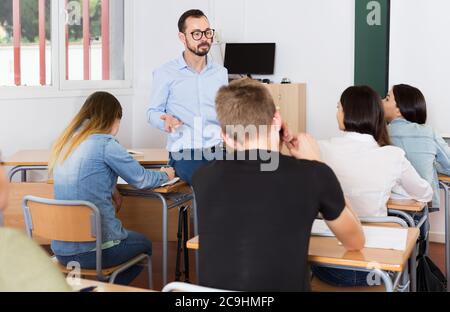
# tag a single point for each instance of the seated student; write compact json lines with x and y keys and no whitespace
{"x":24,"y":266}
{"x":406,"y":111}
{"x":86,"y":161}
{"x":257,"y":207}
{"x":367,"y":168}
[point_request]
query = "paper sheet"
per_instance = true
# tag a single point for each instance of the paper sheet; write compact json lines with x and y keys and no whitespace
{"x":376,"y":237}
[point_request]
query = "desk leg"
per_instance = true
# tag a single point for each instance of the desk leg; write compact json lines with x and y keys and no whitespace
{"x":444,"y":186}
{"x":165,"y":210}
{"x":413,"y":269}
{"x":195,"y":216}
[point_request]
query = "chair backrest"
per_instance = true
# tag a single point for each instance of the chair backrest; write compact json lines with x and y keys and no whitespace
{"x":185,"y":287}
{"x":69,"y":221}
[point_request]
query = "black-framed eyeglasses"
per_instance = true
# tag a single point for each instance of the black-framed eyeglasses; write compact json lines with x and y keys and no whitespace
{"x":198,"y":34}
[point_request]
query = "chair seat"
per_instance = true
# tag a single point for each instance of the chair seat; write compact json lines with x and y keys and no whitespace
{"x":106,"y":272}
{"x":318,"y":286}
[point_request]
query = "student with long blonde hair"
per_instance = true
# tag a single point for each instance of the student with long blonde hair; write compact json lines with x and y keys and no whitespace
{"x":86,"y":161}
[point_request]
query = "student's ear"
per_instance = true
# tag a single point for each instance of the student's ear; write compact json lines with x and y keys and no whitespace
{"x":277,"y":121}
{"x":182,"y":37}
{"x":229,"y":141}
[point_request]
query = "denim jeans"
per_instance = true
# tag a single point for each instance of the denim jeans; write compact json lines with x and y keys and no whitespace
{"x":129,"y":248}
{"x":186,"y":162}
{"x":340,"y":278}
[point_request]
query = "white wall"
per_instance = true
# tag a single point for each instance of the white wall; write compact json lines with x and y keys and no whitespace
{"x":420,"y":55}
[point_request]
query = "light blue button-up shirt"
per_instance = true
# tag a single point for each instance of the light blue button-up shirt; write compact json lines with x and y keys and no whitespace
{"x":425,"y":149}
{"x":189,"y":96}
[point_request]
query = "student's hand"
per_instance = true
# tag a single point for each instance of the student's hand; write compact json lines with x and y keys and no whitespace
{"x":304,"y":146}
{"x":117,"y":200}
{"x":169,"y":171}
{"x":171,"y":124}
{"x":285,"y":134}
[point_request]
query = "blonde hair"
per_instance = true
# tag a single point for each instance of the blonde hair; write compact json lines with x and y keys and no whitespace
{"x":97,"y":115}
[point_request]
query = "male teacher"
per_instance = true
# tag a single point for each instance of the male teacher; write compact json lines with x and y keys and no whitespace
{"x":183,"y":98}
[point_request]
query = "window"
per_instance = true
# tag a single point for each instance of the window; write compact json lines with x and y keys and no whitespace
{"x":25,"y":32}
{"x":78,"y":49}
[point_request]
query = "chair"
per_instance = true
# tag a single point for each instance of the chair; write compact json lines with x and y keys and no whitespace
{"x":74,"y":221}
{"x":185,"y":287}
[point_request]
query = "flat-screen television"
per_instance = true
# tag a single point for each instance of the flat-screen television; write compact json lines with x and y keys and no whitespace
{"x":250,"y":58}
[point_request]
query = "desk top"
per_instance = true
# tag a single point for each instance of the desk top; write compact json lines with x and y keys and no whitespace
{"x":105,"y":287}
{"x":326,"y":250}
{"x":444,"y":178}
{"x":40,"y":157}
{"x":406,"y":205}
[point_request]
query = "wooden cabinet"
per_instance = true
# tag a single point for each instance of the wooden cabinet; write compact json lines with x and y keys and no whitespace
{"x":291,"y":99}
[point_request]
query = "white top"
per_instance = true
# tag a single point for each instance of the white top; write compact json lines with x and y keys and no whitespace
{"x":369,"y":173}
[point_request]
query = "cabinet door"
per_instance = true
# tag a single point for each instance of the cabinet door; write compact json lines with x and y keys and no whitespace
{"x":292,"y":103}
{"x":274,"y":90}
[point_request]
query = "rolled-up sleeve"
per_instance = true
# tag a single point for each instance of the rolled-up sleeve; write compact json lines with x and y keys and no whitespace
{"x":443,"y":155}
{"x":158,"y":101}
{"x":125,"y":166}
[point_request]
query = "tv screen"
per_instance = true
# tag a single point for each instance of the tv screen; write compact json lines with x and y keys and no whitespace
{"x":250,"y":58}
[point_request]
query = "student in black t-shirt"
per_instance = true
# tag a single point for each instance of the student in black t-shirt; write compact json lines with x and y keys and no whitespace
{"x":256,"y":208}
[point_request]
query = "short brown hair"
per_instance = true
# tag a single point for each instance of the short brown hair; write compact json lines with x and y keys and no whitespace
{"x":191,"y":13}
{"x":244,"y":102}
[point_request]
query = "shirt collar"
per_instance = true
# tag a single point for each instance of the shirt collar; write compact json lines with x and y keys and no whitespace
{"x":182,"y":62}
{"x":360,"y":137}
{"x":399,"y":120}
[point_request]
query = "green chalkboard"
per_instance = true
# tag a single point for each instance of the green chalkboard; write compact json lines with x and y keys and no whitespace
{"x":372,"y":27}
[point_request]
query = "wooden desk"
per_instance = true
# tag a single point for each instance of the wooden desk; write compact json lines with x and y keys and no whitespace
{"x":444,"y":178}
{"x":40,"y":157}
{"x":327,"y":251}
{"x":28,"y":160}
{"x":406,"y":205}
{"x":106,"y":287}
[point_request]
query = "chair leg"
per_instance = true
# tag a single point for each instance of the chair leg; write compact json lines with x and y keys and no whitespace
{"x":150,"y":273}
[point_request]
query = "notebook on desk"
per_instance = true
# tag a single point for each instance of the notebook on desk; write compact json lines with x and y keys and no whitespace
{"x":121,"y":181}
{"x":376,"y":237}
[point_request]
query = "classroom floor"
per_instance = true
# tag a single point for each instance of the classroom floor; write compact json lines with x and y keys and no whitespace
{"x":436,"y":254}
